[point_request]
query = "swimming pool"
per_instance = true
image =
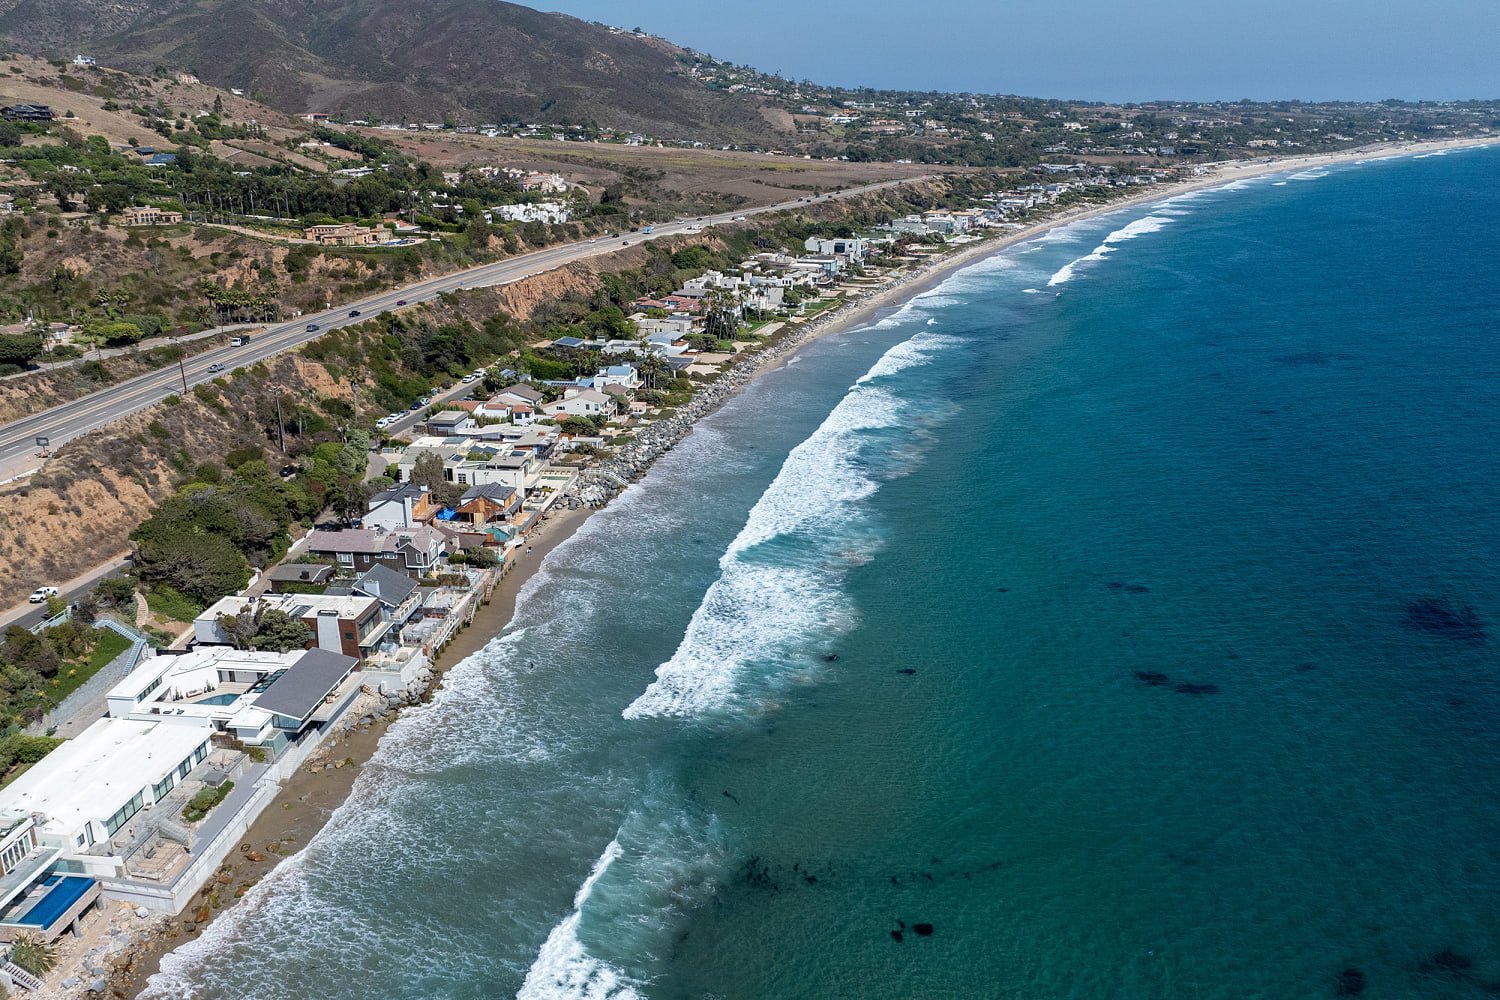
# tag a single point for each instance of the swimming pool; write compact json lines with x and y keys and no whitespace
{"x":66,"y":890}
{"x":219,"y":699}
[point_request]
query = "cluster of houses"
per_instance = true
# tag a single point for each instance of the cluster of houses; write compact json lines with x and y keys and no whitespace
{"x":107,"y":815}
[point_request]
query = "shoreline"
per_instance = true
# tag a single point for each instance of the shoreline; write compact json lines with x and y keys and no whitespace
{"x":310,"y":797}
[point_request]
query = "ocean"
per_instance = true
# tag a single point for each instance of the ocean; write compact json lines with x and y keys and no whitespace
{"x":1117,"y":619}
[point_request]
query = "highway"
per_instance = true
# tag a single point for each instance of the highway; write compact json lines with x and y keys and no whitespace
{"x":63,"y":423}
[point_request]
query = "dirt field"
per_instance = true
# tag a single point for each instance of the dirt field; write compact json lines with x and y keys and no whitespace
{"x":758,"y":178}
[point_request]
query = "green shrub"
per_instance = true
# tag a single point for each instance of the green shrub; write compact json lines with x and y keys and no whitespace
{"x":33,"y":955}
{"x":171,"y":603}
{"x":159,"y":430}
{"x":200,"y":804}
{"x":240,"y":456}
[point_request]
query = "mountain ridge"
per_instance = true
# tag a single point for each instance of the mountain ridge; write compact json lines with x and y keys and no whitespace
{"x":474,"y":60}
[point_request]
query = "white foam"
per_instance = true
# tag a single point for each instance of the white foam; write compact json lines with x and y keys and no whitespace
{"x":1307,"y":175}
{"x":1140,"y":227}
{"x":764,"y":609}
{"x":564,"y":969}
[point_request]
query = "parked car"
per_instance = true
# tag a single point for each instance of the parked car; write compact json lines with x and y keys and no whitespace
{"x":215,"y":367}
{"x":288,"y":470}
{"x":383,"y":423}
{"x":425,"y":400}
{"x":40,"y":594}
{"x":467,"y":379}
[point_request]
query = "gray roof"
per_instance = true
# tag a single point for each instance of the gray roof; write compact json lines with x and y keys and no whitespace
{"x":495,"y":492}
{"x":385,"y":585}
{"x":397,"y":492}
{"x":306,"y":683}
{"x":300,"y":573}
{"x":522,"y":390}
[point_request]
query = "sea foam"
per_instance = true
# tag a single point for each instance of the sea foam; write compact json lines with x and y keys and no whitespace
{"x":777,"y":598}
{"x":1140,"y":227}
{"x":564,"y":969}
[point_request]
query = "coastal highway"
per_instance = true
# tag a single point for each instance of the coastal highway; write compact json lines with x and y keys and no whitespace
{"x":63,"y":423}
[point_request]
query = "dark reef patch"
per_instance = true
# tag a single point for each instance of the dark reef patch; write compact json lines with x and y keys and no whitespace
{"x":1437,"y":616}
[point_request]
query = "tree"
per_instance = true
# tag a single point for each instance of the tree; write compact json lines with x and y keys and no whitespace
{"x":280,"y":632}
{"x":115,"y":592}
{"x":19,"y":350}
{"x":239,"y":629}
{"x":348,"y":500}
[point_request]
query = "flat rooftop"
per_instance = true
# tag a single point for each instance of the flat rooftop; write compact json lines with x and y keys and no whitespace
{"x":94,"y":774}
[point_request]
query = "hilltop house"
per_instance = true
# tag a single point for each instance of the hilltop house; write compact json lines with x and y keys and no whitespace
{"x":342,"y":235}
{"x":27,"y":113}
{"x":148,"y":215}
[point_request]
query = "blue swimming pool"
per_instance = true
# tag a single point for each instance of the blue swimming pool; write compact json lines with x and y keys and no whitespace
{"x":66,"y":890}
{"x":218,"y":699}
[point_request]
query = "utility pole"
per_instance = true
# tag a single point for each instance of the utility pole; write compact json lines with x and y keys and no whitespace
{"x":280,"y":424}
{"x":180,"y":366}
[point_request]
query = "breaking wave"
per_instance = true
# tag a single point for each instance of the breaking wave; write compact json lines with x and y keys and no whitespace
{"x":1140,"y":227}
{"x":778,"y":596}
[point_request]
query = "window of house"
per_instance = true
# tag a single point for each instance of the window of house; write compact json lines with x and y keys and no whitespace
{"x":123,"y":814}
{"x":346,"y":558}
{"x":161,"y":788}
{"x":349,"y":636}
{"x":201,"y":754}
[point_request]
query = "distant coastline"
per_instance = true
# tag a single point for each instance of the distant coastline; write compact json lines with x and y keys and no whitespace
{"x":310,"y":798}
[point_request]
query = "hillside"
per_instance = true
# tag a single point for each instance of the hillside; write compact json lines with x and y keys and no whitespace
{"x":479,"y":60}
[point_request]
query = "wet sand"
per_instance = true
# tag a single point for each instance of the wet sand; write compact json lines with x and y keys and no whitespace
{"x":312,"y":795}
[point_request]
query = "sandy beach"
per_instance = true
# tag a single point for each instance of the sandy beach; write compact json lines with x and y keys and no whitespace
{"x":312,"y":796}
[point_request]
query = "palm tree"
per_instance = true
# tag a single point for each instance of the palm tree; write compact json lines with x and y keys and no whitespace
{"x":32,"y":954}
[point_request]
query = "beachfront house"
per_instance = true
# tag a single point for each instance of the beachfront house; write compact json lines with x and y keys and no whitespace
{"x":415,"y":550}
{"x":348,"y":625}
{"x":403,"y":506}
{"x":582,"y":403}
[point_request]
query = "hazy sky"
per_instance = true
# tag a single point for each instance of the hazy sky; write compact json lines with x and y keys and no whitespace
{"x":1113,"y":50}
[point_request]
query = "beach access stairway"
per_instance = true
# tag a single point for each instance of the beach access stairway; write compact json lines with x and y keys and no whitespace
{"x":21,"y":977}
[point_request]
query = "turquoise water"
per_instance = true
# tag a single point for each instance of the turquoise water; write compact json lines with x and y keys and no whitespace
{"x":1115,"y":620}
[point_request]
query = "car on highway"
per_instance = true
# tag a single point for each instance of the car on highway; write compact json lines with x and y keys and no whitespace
{"x":215,"y":367}
{"x":40,"y":594}
{"x":353,"y":312}
{"x":624,"y":243}
{"x":311,"y":327}
{"x":594,"y":240}
{"x":400,"y":302}
{"x":739,"y":218}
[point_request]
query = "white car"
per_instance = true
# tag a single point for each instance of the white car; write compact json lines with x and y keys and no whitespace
{"x":40,"y":594}
{"x":467,"y":379}
{"x":425,"y":401}
{"x":383,"y":423}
